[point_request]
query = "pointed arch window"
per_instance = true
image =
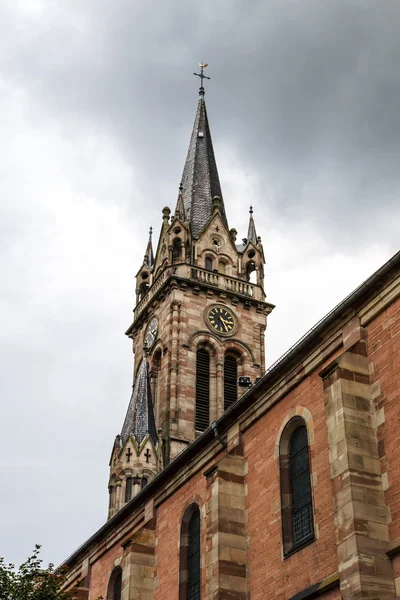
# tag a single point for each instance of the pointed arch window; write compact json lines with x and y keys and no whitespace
{"x":202,"y":415}
{"x":190,"y":555}
{"x":296,"y":494}
{"x":230,"y":380}
{"x":128,"y":489}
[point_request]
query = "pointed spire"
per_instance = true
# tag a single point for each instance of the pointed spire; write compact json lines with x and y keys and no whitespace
{"x":148,"y":255}
{"x":180,"y":207}
{"x":200,"y":179}
{"x":252,"y":234}
{"x":139,"y":420}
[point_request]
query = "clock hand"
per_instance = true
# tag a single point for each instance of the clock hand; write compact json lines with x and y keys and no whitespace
{"x":223,"y":323}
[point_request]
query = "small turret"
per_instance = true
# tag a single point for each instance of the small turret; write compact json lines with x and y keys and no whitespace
{"x":136,"y":455}
{"x":252,"y":234}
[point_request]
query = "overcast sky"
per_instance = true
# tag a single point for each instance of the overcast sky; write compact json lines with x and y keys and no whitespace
{"x":97,"y":102}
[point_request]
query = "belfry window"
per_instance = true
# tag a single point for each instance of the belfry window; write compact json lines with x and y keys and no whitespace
{"x":128,"y":489}
{"x":230,"y":380}
{"x":202,"y":416}
{"x":296,"y":494}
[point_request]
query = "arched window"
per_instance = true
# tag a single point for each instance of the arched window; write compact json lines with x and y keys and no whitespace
{"x":190,"y":555}
{"x":144,"y":482}
{"x":208,"y":263}
{"x":143,"y":289}
{"x":176,"y":251}
{"x":128,"y":489}
{"x":115,"y":585}
{"x":221,"y":267}
{"x":202,"y":416}
{"x":230,"y":380}
{"x":296,"y":496}
{"x":251,"y":273}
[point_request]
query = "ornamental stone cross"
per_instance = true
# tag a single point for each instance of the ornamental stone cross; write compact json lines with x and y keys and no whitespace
{"x":128,"y":455}
{"x":147,"y":455}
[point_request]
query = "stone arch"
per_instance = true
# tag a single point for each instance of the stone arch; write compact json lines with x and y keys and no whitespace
{"x":240,"y":348}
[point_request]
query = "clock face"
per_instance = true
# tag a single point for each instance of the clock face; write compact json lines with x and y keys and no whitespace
{"x":151,"y":333}
{"x":221,"y":320}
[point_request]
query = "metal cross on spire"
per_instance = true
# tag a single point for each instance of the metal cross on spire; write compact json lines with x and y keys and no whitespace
{"x":202,"y":76}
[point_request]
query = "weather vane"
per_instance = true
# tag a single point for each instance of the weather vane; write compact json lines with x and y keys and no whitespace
{"x":202,"y":76}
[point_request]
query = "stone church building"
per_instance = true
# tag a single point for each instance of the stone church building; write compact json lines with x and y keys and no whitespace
{"x":231,"y":482}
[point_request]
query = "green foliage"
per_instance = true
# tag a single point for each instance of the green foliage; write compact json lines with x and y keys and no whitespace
{"x":31,"y":581}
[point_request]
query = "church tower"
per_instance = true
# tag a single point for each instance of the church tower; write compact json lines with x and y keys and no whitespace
{"x":198,"y":324}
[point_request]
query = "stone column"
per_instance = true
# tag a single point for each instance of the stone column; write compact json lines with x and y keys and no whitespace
{"x":219,"y":399}
{"x":225,"y":525}
{"x":360,"y":513}
{"x":139,"y":560}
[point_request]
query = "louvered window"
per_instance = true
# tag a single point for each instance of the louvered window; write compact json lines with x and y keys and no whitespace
{"x":202,"y":389}
{"x":300,"y":483}
{"x":117,"y":587}
{"x":230,"y":380}
{"x":193,"y":557}
{"x":128,"y":489}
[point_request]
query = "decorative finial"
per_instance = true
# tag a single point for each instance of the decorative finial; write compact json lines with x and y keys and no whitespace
{"x":251,"y":210}
{"x":202,"y":76}
{"x":181,"y":187}
{"x":150,"y":231}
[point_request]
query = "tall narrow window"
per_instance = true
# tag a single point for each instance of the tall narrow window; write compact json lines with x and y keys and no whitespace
{"x":202,"y":417}
{"x":194,"y":557}
{"x":190,"y":555}
{"x":176,"y":251}
{"x":118,"y":587}
{"x":221,"y":267}
{"x":144,"y":482}
{"x":300,"y":484}
{"x":208,"y":263}
{"x":128,"y":489}
{"x":230,"y":380}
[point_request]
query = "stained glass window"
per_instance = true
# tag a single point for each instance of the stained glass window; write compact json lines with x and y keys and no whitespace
{"x":117,"y":587}
{"x":194,"y":557}
{"x":302,"y":518}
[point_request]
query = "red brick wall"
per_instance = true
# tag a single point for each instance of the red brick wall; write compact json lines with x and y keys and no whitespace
{"x":384,"y":357}
{"x":269,"y":575}
{"x":101,"y":571}
{"x":169,"y":517}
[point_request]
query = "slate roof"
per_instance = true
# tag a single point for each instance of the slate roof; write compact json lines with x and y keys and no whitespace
{"x":200,"y":179}
{"x":139,"y":419}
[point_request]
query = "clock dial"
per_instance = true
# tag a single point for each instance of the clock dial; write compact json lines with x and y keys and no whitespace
{"x":221,"y":320}
{"x":151,"y":333}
